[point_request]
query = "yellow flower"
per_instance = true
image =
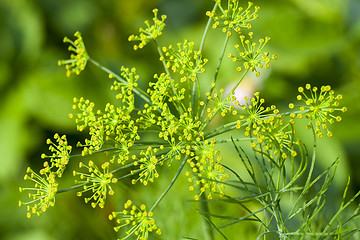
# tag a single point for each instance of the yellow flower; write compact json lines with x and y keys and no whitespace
{"x":78,"y":58}
{"x":42,"y":195}
{"x":151,"y":32}
{"x":320,"y":107}
{"x":137,"y":220}
{"x":97,"y":182}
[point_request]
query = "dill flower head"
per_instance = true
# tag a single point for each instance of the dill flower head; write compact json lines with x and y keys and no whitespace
{"x":184,"y":60}
{"x":147,"y":166}
{"x":78,"y":58}
{"x":125,"y":88}
{"x":97,"y":181}
{"x":206,"y":173}
{"x":251,"y":54}
{"x":255,"y":112}
{"x":113,"y":125}
{"x":320,"y":107}
{"x":275,"y":138}
{"x":159,"y":92}
{"x":188,"y":127}
{"x":234,"y":17}
{"x":60,"y":153}
{"x":42,"y":195}
{"x":151,"y":32}
{"x":220,"y":102}
{"x":136,"y":220}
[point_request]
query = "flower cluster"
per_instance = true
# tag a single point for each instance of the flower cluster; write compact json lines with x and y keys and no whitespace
{"x":233,"y":17}
{"x":275,"y":137}
{"x":206,"y":173}
{"x":184,"y":60}
{"x":60,"y":153}
{"x":255,"y":112}
{"x":151,"y":32}
{"x":251,"y":54}
{"x":188,"y":127}
{"x":42,"y":195}
{"x":220,"y":103}
{"x":97,"y":182}
{"x":147,"y":169}
{"x":139,"y":222}
{"x":320,"y":107}
{"x":125,"y":89}
{"x":89,"y":118}
{"x":78,"y":58}
{"x":114,"y":125}
{"x":271,"y":134}
{"x":160,"y":92}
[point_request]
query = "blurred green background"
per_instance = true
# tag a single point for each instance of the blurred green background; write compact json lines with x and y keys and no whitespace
{"x":318,"y":42}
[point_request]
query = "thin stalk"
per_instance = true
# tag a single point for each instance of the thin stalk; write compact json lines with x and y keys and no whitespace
{"x":71,"y":188}
{"x":245,"y":218}
{"x":233,"y":140}
{"x":307,"y":183}
{"x":136,"y":90}
{"x":238,"y":83}
{"x":220,"y":62}
{"x":222,"y":129}
{"x":122,"y":168}
{"x":99,"y":151}
{"x":193,"y":96}
{"x":170,"y":185}
{"x":206,"y":221}
{"x":152,"y":143}
{"x":216,"y":74}
{"x":206,"y":30}
{"x":342,"y":208}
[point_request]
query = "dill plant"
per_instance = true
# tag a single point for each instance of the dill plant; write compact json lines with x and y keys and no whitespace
{"x":177,"y":115}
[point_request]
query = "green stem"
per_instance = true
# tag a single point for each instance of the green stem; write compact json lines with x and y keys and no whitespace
{"x":206,"y":30}
{"x":136,"y":90}
{"x":223,"y":129}
{"x":151,"y":143}
{"x":71,"y":188}
{"x":170,"y":185}
{"x":342,"y":208}
{"x":122,"y":168}
{"x":238,"y":83}
{"x":233,"y":140}
{"x":206,"y":222}
{"x":216,"y":74}
{"x":99,"y":151}
{"x":208,"y":120}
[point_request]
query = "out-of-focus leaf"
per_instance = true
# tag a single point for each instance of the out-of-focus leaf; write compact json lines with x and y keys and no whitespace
{"x":35,"y":234}
{"x":299,"y":39}
{"x":15,"y":136}
{"x":69,"y":16}
{"x":48,"y":97}
{"x":325,"y":10}
{"x":24,"y":20}
{"x":5,"y":73}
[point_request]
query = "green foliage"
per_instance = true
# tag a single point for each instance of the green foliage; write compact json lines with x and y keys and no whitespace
{"x":180,"y":119}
